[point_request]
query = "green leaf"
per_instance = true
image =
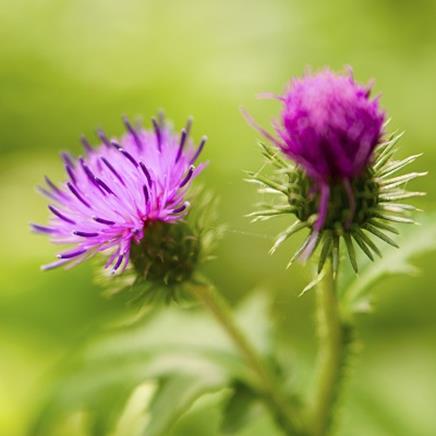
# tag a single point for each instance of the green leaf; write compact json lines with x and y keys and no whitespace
{"x":175,"y":396}
{"x":313,"y":284}
{"x":418,"y":240}
{"x":183,"y":353}
{"x":239,"y":409}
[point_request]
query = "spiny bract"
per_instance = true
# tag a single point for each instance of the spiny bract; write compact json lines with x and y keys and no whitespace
{"x":378,"y":194}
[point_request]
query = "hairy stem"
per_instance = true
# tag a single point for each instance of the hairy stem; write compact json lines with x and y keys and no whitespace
{"x":334,"y":340}
{"x":271,"y":389}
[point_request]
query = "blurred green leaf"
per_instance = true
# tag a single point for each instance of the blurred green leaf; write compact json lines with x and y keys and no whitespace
{"x":175,"y":396}
{"x":183,"y":352}
{"x":355,"y":290}
{"x":239,"y":408}
{"x":110,"y":407}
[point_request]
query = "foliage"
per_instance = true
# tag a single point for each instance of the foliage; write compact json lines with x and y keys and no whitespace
{"x":356,"y":291}
{"x":176,"y":356}
{"x":179,"y":355}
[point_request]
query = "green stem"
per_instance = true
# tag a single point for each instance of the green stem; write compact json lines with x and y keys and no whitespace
{"x":333,"y":336}
{"x":272,"y":393}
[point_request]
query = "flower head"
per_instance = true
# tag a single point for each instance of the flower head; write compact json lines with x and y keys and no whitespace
{"x":330,"y":126}
{"x":118,"y":190}
{"x":333,"y":168}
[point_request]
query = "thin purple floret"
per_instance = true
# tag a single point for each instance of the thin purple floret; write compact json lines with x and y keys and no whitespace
{"x":187,"y":177}
{"x":42,"y":229}
{"x":85,"y":234}
{"x":133,"y":132}
{"x":158,"y":133}
{"x":78,"y":196}
{"x":146,"y":173}
{"x":71,"y":254}
{"x":103,"y":221}
{"x":61,"y":215}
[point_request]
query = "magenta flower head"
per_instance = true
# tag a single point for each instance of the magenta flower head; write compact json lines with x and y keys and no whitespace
{"x":330,"y":126}
{"x":121,"y":191}
{"x":332,"y":130}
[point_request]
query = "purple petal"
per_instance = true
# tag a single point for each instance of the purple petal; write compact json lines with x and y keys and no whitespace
{"x":112,"y":169}
{"x":103,"y":138}
{"x":54,"y":265}
{"x":199,"y":149}
{"x":68,"y":160}
{"x":103,"y":221}
{"x":187,"y":177}
{"x":42,"y":229}
{"x":61,"y":215}
{"x":78,"y":196}
{"x":70,"y":173}
{"x":181,"y":208}
{"x":86,"y":144}
{"x":118,"y":263}
{"x":133,"y":132}
{"x":85,"y":234}
{"x":72,"y":253}
{"x":104,"y":186}
{"x":158,"y":133}
{"x":129,"y":157}
{"x":54,"y":187}
{"x":146,"y":194}
{"x":183,"y":136}
{"x":146,"y":173}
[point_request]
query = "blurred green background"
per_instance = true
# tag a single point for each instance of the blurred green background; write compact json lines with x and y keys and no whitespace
{"x":68,"y":67}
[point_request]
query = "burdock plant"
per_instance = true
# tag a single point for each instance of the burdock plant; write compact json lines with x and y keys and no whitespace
{"x":333,"y":169}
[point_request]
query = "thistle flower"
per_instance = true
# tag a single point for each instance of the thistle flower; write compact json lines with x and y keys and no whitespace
{"x":118,"y":192}
{"x":334,"y":168}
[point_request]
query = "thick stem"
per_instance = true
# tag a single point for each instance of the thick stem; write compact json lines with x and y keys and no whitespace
{"x":271,"y":389}
{"x":333,"y":337}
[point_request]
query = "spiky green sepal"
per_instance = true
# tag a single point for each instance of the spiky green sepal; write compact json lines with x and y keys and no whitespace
{"x":359,"y":210}
{"x":169,"y":257}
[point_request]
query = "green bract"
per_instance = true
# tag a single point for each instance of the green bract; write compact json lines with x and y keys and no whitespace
{"x":167,"y":259}
{"x":167,"y":255}
{"x":377,"y":203}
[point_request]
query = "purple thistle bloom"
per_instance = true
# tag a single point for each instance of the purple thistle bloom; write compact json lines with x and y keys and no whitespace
{"x":342,"y":183}
{"x":117,"y":189}
{"x":330,"y":127}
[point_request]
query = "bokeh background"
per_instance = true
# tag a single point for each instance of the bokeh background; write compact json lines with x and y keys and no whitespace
{"x":70,"y":66}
